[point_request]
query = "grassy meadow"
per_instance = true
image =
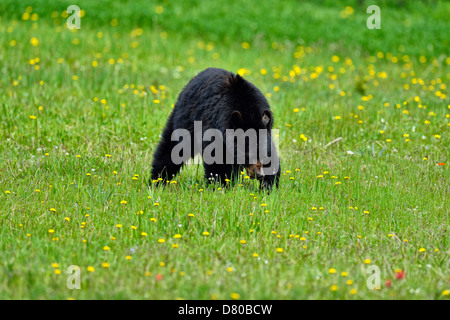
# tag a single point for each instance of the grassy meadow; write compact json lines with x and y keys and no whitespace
{"x":364,"y":127}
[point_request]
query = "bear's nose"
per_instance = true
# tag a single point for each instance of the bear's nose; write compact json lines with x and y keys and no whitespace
{"x":254,"y":170}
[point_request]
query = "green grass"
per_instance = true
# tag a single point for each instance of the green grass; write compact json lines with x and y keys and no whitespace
{"x":386,"y":97}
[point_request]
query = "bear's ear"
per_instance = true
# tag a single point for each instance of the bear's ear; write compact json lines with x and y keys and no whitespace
{"x":266,"y":118}
{"x":236,"y":119}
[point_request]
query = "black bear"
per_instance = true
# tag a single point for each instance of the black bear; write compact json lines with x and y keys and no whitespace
{"x":226,"y":119}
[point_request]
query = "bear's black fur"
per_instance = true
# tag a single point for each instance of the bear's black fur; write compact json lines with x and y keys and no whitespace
{"x":220,"y":100}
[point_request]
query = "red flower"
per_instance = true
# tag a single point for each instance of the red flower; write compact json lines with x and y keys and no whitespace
{"x":400,"y":275}
{"x":441,"y":164}
{"x":388,"y":283}
{"x":158,"y":277}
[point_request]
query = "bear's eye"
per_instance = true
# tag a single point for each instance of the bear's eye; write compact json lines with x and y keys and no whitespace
{"x":236,"y":119}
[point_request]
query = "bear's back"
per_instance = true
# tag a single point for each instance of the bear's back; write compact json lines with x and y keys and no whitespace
{"x":212,"y":95}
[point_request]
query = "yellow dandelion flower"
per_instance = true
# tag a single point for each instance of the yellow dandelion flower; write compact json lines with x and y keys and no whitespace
{"x":34,"y":42}
{"x":245,"y":45}
{"x":235,"y":296}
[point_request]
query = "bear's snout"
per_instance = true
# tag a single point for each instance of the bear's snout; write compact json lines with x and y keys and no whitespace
{"x":254,"y":170}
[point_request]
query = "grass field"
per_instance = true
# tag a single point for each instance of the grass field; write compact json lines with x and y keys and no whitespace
{"x":81,"y":113}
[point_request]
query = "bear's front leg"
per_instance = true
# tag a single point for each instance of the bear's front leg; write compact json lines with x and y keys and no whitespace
{"x":268,"y":181}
